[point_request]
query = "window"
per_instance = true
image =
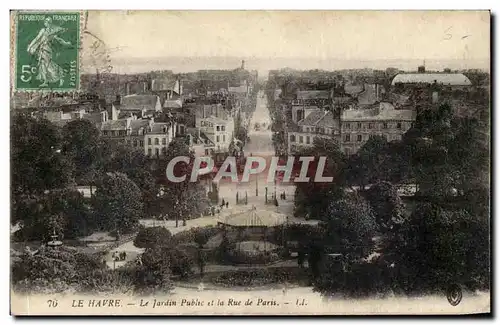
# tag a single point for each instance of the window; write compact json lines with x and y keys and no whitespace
{"x":218,"y":128}
{"x":359,"y":125}
{"x":399,"y":125}
{"x":164,"y":141}
{"x":223,"y":138}
{"x":217,"y":139}
{"x":292,"y":138}
{"x":347,"y":151}
{"x":301,"y":139}
{"x":105,"y":132}
{"x":157,"y":151}
{"x":206,"y":152}
{"x":384,"y":125}
{"x":149,"y":152}
{"x":308,"y":140}
{"x":149,"y":141}
{"x":223,"y":128}
{"x":348,"y":125}
{"x":347,"y":137}
{"x":164,"y":151}
{"x":370,"y":125}
{"x":157,"y":141}
{"x":141,"y":143}
{"x":360,"y":138}
{"x":135,"y":143}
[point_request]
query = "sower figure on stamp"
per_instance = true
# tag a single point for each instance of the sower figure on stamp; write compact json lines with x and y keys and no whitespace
{"x":41,"y":46}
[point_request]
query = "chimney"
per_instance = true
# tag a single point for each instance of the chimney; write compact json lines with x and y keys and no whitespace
{"x":435,"y":97}
{"x":128,"y":88}
{"x":243,"y":64}
{"x":114,"y":112}
{"x":104,"y":116}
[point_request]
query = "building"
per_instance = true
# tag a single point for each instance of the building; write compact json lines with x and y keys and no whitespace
{"x":371,"y":94}
{"x":116,"y":130}
{"x":219,"y":131}
{"x":318,"y":98}
{"x":318,"y":124}
{"x":169,"y":91}
{"x":200,"y":143}
{"x":146,"y":135}
{"x":454,"y":80}
{"x":141,"y":106}
{"x":357,"y":126}
{"x":157,"y":138}
{"x":138,"y":129}
{"x":62,"y":117}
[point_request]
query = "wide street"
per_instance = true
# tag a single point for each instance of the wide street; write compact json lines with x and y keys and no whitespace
{"x":260,"y":145}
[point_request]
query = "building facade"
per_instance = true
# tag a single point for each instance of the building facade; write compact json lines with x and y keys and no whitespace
{"x":357,"y":126}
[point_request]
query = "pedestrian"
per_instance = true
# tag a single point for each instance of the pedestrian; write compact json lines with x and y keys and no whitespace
{"x":227,"y":205}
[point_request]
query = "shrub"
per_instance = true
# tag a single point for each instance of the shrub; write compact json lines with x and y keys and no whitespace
{"x":152,"y":237}
{"x":258,"y":277}
{"x":197,"y":235}
{"x":181,"y":263}
{"x":356,"y":280}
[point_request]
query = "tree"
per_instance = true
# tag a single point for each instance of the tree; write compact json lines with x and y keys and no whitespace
{"x":184,"y":199}
{"x":440,"y":246}
{"x":80,"y":140}
{"x":350,"y":226}
{"x":61,"y":211}
{"x":52,"y":270}
{"x":154,"y":273}
{"x":366,"y":166}
{"x":37,"y":162}
{"x":388,"y":208}
{"x":147,"y":183}
{"x":152,"y":237}
{"x":181,"y":263}
{"x":311,"y":198}
{"x":118,"y":202}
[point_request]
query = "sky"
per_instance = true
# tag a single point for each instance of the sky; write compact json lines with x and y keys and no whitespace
{"x":191,"y":40}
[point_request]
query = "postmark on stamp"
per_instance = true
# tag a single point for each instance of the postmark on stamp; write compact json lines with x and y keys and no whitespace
{"x":47,"y":51}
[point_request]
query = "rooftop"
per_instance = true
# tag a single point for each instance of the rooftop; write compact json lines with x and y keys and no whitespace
{"x":452,"y":79}
{"x":382,"y":111}
{"x":313,"y":117}
{"x":159,"y":128}
{"x":111,"y":125}
{"x":139,"y":102}
{"x":136,"y":125}
{"x":160,"y":84}
{"x":320,"y":118}
{"x":353,"y":89}
{"x":313,"y":94}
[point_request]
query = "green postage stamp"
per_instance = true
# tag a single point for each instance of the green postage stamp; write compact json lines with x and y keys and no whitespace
{"x":47,"y":51}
